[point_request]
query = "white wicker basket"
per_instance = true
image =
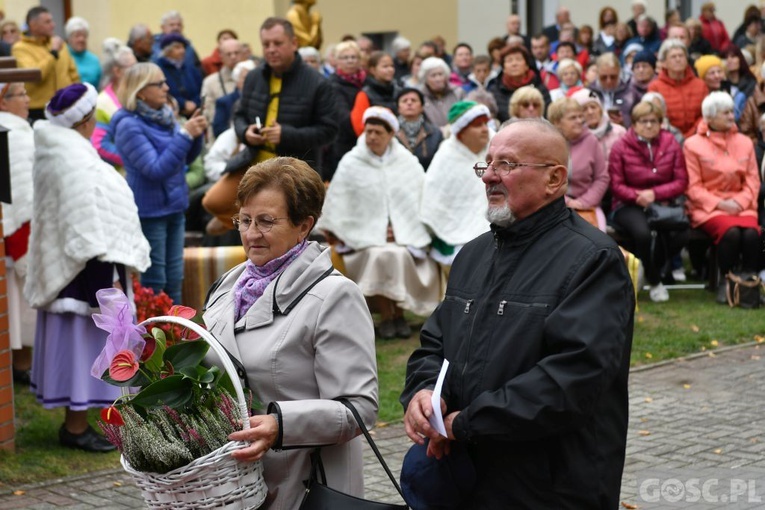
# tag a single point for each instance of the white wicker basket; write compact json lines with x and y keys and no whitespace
{"x":216,"y":480}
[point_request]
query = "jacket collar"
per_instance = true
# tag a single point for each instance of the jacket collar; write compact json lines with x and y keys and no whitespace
{"x":267,"y":71}
{"x":527,"y":230}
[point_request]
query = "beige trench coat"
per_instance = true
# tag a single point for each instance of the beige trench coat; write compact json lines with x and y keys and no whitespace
{"x":297,"y":363}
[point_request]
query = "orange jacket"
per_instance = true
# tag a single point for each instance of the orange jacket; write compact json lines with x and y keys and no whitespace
{"x":720,"y":166}
{"x":683,"y":99}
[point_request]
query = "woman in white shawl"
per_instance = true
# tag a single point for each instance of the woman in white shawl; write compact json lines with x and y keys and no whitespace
{"x":85,"y":233}
{"x":17,"y":217}
{"x":453,"y":200}
{"x":372,"y":213}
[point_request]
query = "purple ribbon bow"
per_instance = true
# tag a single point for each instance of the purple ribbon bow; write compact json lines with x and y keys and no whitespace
{"x":117,"y":319}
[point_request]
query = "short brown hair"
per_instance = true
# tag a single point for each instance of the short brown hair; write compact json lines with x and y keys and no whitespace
{"x":271,"y":22}
{"x":645,"y":108}
{"x":558,"y":109}
{"x":303,"y":189}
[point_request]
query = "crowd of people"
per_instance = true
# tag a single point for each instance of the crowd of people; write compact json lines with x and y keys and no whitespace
{"x":242,"y":148}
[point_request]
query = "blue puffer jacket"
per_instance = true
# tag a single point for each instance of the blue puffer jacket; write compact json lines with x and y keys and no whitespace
{"x":156,"y":160}
{"x":185,"y":83}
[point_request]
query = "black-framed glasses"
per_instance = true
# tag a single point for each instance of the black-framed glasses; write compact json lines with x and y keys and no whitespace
{"x":160,"y":83}
{"x":503,"y":168}
{"x":263,"y":223}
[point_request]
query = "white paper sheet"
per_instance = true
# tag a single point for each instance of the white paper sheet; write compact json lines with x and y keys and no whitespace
{"x":436,"y":419}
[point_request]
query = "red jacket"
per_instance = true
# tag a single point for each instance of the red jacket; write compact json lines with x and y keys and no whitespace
{"x":683,"y":99}
{"x":634,"y":166}
{"x":720,"y":166}
{"x":714,"y":31}
{"x":212,"y":63}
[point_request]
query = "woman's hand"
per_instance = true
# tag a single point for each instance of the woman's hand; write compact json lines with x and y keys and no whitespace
{"x":574,"y":203}
{"x":261,"y":435}
{"x":729,"y":206}
{"x":196,"y":125}
{"x":645,"y":197}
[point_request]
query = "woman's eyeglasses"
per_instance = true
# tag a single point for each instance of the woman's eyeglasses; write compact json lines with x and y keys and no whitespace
{"x":263,"y":223}
{"x":527,"y":104}
{"x":159,"y":84}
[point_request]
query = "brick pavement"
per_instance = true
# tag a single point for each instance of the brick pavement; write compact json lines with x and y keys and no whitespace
{"x":702,"y":417}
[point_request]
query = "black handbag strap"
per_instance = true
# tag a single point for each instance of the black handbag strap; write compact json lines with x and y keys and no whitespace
{"x":371,"y":442}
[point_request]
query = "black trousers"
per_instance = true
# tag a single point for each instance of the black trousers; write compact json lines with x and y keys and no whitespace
{"x":654,"y":253}
{"x":739,"y":245}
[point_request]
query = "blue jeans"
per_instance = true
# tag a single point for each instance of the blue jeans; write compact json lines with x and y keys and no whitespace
{"x":166,"y":237}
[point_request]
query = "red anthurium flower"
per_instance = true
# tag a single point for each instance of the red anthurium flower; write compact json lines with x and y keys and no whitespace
{"x":111,"y":416}
{"x":182,"y":311}
{"x":168,"y":370}
{"x":149,"y":347}
{"x":123,"y":366}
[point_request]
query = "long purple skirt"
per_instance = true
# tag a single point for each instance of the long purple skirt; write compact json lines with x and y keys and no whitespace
{"x":66,"y":344}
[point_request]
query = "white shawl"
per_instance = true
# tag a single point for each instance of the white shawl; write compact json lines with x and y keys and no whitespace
{"x":453,"y":198}
{"x":367,"y":191}
{"x":83,"y":209}
{"x":21,"y":148}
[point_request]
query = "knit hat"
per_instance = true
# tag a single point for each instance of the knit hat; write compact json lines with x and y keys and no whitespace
{"x":586,"y":96}
{"x":383,"y":114}
{"x":705,"y":62}
{"x":463,"y":113}
{"x":632,"y":48}
{"x":171,"y":38}
{"x":71,"y":105}
{"x":645,"y":56}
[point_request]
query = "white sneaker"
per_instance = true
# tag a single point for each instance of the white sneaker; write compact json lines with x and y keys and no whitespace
{"x":679,"y":274}
{"x":658,"y":293}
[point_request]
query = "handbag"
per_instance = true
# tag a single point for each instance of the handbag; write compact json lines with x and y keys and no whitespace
{"x":743,"y":289}
{"x":667,"y":217}
{"x":319,"y":496}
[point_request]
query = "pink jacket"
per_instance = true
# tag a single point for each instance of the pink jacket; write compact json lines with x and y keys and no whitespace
{"x":720,"y":166}
{"x":636,"y":165}
{"x":588,"y":176}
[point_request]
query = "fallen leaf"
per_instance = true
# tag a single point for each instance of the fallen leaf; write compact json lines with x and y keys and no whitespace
{"x":643,"y":420}
{"x":754,"y":440}
{"x":118,"y":484}
{"x":695,"y":328}
{"x":19,"y":493}
{"x":648,"y":355}
{"x":755,"y":357}
{"x":714,"y":343}
{"x":641,"y":319}
{"x":718,"y":451}
{"x":687,"y":386}
{"x":648,"y":400}
{"x":711,"y":354}
{"x":644,"y":432}
{"x":759,"y":339}
{"x":703,"y":348}
{"x":629,"y":506}
{"x":382,"y":424}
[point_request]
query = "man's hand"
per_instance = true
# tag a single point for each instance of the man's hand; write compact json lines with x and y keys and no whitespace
{"x":253,"y":137}
{"x":645,"y":197}
{"x":417,"y":415}
{"x":56,"y":43}
{"x":440,"y":446}
{"x":729,"y":206}
{"x":273,"y":133}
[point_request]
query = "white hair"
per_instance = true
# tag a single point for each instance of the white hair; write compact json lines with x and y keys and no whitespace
{"x":244,"y":66}
{"x":671,"y":44}
{"x":431,"y":64}
{"x":650,"y":96}
{"x":714,"y":103}
{"x":170,"y":15}
{"x":565,"y":64}
{"x":76,"y":24}
{"x":400,"y":43}
{"x":309,"y":51}
{"x":114,"y":53}
{"x":137,"y":32}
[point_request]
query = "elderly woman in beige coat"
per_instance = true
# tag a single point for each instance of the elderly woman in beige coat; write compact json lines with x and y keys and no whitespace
{"x":302,"y":332}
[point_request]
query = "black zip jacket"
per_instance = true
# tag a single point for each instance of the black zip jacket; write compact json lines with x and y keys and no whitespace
{"x":537,"y":327}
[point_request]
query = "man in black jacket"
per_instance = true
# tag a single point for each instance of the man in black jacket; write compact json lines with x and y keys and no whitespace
{"x":286,"y":109}
{"x":537,"y":327}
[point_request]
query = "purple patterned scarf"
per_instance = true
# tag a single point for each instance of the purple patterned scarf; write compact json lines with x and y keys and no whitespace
{"x":254,"y":280}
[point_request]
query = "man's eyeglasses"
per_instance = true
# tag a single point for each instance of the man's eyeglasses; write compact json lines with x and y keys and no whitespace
{"x":503,"y":168}
{"x":159,"y":84}
{"x":263,"y":223}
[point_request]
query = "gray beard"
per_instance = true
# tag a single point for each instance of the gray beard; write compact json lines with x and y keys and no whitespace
{"x":500,"y":216}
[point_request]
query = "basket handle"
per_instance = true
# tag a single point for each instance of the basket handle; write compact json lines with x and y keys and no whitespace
{"x":219,"y":350}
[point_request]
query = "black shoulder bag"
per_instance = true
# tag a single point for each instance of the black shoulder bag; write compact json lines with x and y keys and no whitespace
{"x":318,"y":496}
